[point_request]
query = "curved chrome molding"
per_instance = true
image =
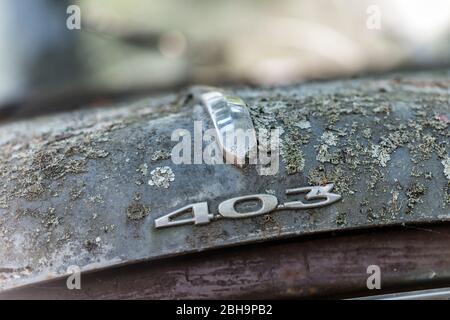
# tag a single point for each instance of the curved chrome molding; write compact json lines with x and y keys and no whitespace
{"x":236,"y":135}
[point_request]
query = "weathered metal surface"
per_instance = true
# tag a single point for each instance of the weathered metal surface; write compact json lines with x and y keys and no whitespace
{"x":75,"y":186}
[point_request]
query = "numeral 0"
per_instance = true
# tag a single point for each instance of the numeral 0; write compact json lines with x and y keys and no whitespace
{"x":227,"y":208}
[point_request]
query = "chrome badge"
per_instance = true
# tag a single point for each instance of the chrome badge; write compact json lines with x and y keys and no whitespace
{"x":201,"y":215}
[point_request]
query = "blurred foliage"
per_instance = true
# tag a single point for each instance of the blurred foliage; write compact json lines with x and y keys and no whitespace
{"x":167,"y":44}
{"x":261,"y":42}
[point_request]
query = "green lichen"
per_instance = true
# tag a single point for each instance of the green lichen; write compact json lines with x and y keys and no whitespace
{"x":137,"y":211}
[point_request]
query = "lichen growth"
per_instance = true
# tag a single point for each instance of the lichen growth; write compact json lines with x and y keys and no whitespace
{"x":446,"y":164}
{"x":143,"y":168}
{"x":341,"y":219}
{"x":380,"y":154}
{"x":159,"y":155}
{"x":137,"y":211}
{"x":415,"y":192}
{"x":161,"y":177}
{"x":304,"y":124}
{"x":329,"y":138}
{"x":293,"y":157}
{"x":324,"y":155}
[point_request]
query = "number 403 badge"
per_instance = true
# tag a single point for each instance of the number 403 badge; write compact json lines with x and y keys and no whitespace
{"x":227,"y":209}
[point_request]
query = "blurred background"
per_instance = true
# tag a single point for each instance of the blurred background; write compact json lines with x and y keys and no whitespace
{"x":137,"y":47}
